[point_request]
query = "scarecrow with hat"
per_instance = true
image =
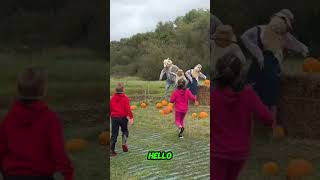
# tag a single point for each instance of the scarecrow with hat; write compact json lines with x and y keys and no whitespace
{"x":193,"y":76}
{"x":266,"y":43}
{"x":169,"y":69}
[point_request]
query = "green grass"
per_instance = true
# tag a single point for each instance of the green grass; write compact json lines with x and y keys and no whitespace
{"x":77,"y":86}
{"x":152,"y":132}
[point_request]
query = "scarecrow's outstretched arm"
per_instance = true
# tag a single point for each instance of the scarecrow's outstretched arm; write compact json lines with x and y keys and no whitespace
{"x":293,"y":44}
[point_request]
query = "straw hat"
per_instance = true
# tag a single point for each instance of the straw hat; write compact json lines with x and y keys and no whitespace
{"x":287,"y":15}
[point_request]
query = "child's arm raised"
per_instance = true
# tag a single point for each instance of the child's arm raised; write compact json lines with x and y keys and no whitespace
{"x":59,"y":155}
{"x":260,"y":109}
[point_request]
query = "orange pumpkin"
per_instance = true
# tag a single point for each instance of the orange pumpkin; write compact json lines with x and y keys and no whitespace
{"x":74,"y":145}
{"x":170,"y":108}
{"x":166,"y":111}
{"x":299,"y":168}
{"x":207,"y":82}
{"x":171,"y":104}
{"x":194,"y":115}
{"x":278,"y":132}
{"x":161,"y":112}
{"x":133,"y":107}
{"x":203,"y":115}
{"x":311,"y":65}
{"x":164,"y":103}
{"x":143,"y":105}
{"x":104,"y":138}
{"x":158,"y":105}
{"x":271,"y":169}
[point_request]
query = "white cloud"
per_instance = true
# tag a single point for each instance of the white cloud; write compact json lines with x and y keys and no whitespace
{"x":128,"y":17}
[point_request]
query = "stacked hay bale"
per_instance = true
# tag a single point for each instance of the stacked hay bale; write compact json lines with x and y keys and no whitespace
{"x":300,"y":104}
{"x":204,"y":95}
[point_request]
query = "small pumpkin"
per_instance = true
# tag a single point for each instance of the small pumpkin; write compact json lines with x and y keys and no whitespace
{"x":170,"y":104}
{"x":74,"y":145}
{"x":133,"y":107}
{"x":161,"y":112}
{"x":164,"y":103}
{"x":278,"y":132}
{"x":194,"y":115}
{"x":143,"y":105}
{"x":299,"y":168}
{"x":206,"y":82}
{"x":203,"y":115}
{"x":311,"y":65}
{"x":166,"y":111}
{"x":270,"y":168}
{"x":170,"y":108}
{"x":104,"y":138}
{"x":159,"y":105}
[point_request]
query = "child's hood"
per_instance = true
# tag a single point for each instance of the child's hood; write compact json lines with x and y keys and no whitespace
{"x":181,"y":92}
{"x":26,"y":114}
{"x":119,"y":96}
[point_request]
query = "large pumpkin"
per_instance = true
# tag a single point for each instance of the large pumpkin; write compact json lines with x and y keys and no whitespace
{"x":143,"y":105}
{"x":104,"y":138}
{"x":299,"y":168}
{"x":74,"y":145}
{"x":133,"y":107}
{"x":164,"y":103}
{"x":311,"y":65}
{"x":271,"y":169}
{"x":203,"y":115}
{"x":159,"y":105}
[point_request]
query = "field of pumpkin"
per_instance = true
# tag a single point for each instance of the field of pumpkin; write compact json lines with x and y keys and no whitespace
{"x":154,"y":129}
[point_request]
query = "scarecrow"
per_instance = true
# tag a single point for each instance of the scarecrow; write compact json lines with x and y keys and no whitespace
{"x":193,"y":76}
{"x":266,"y":43}
{"x":169,"y":69}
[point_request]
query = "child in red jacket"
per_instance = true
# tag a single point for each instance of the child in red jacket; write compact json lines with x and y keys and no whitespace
{"x":31,"y":134}
{"x":120,"y":111}
{"x":232,"y":106}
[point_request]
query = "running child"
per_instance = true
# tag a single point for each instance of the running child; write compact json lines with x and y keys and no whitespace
{"x":181,"y":98}
{"x":120,"y":111}
{"x":31,"y":134}
{"x":232,"y":106}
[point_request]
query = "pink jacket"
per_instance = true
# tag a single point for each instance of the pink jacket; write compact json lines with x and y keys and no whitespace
{"x":231,"y":117}
{"x":181,"y":99}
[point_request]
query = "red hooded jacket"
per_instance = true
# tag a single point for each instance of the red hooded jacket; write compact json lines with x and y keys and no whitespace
{"x":120,"y":106}
{"x":32,"y":142}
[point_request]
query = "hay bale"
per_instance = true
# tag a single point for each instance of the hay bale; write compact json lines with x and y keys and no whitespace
{"x":299,"y":106}
{"x":204,"y":95}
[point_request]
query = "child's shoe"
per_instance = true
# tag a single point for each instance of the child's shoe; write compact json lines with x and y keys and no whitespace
{"x":180,"y":133}
{"x":125,"y":148}
{"x":113,"y":153}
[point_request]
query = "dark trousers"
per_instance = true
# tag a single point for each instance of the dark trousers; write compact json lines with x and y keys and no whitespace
{"x":28,"y":178}
{"x":117,"y":122}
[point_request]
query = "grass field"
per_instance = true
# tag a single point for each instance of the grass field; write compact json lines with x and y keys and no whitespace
{"x":152,"y":132}
{"x":77,"y":90}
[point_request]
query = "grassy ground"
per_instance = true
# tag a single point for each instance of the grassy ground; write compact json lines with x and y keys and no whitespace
{"x":152,"y":132}
{"x":77,"y":81}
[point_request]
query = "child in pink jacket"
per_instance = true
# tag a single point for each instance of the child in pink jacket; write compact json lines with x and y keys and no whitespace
{"x":232,"y":107}
{"x":181,"y":98}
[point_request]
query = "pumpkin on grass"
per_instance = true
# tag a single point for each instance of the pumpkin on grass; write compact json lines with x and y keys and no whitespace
{"x":104,"y":138}
{"x":161,"y":112}
{"x":74,"y":145}
{"x":203,"y":115}
{"x":164,"y":103}
{"x":133,"y":107}
{"x":170,"y":108}
{"x":143,"y":105}
{"x":194,"y":115}
{"x":298,"y":168}
{"x":270,"y":168}
{"x":170,"y":104}
{"x":158,"y":105}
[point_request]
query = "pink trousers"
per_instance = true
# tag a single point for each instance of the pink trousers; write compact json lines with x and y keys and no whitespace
{"x":224,"y":169}
{"x":180,"y":118}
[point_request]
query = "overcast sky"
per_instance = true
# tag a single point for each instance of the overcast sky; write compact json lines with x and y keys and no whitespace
{"x":129,"y":17}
